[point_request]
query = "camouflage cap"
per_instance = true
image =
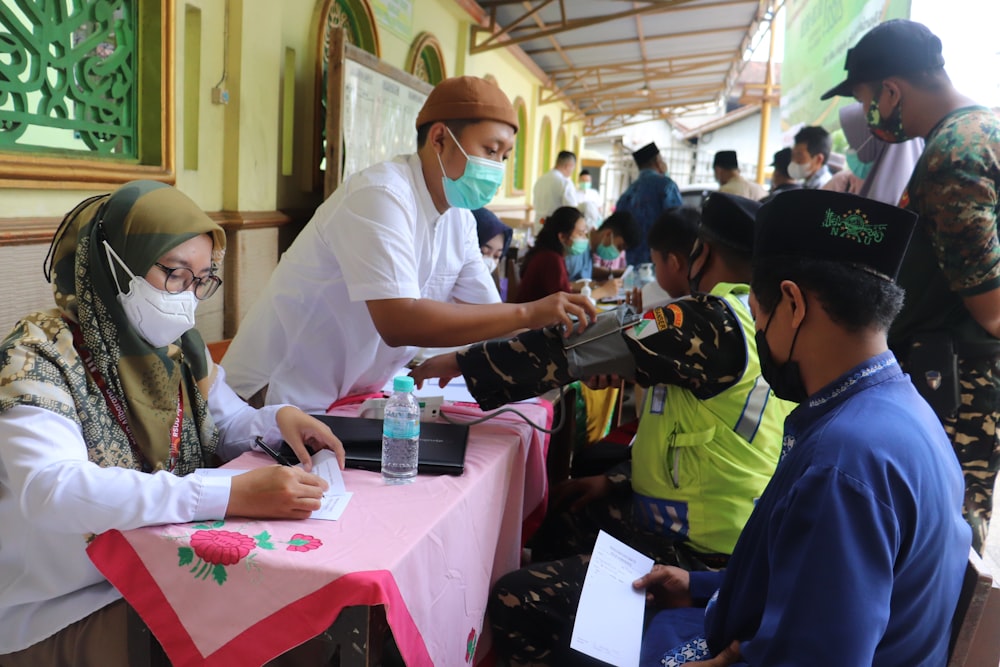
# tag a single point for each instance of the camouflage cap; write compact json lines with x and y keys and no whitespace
{"x":836,"y":227}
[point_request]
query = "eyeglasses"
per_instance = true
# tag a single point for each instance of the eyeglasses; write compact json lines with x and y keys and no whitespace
{"x":180,"y":278}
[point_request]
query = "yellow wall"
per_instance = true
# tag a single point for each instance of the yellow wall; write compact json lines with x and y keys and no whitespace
{"x":239,"y":145}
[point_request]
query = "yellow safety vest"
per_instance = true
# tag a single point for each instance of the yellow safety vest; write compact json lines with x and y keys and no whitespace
{"x":698,"y":466}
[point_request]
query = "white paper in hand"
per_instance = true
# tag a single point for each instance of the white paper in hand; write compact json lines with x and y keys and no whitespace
{"x":609,"y":618}
{"x":336,"y":497}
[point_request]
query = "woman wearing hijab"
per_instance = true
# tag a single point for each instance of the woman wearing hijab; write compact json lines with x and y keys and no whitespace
{"x":885,"y":168}
{"x":494,"y":237}
{"x":109,"y":405}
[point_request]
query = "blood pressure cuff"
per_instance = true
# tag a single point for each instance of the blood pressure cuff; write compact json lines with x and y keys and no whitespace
{"x":601,"y":348}
{"x":530,"y":364}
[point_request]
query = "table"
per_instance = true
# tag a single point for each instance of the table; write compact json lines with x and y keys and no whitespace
{"x":243,"y":591}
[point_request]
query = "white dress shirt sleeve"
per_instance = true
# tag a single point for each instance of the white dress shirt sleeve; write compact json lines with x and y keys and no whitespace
{"x":44,"y":466}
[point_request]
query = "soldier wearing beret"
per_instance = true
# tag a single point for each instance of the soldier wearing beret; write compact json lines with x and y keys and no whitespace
{"x":390,"y":263}
{"x":708,"y":438}
{"x":856,"y":550}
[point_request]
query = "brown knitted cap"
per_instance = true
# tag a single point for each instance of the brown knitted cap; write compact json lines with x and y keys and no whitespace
{"x":467,"y":98}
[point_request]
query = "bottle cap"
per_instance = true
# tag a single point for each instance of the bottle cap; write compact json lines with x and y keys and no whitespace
{"x":402,"y":383}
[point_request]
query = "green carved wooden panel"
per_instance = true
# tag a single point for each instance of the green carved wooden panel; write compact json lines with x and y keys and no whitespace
{"x":68,"y":76}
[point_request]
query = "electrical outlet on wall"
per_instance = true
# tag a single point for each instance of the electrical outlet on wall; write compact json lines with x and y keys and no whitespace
{"x":220,"y":95}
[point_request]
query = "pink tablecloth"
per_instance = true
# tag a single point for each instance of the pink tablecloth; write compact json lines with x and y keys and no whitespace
{"x":242,"y":591}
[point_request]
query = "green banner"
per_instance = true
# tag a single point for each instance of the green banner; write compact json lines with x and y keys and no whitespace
{"x":818,"y":34}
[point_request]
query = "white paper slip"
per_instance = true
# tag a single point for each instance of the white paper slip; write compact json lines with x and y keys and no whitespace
{"x":336,"y":497}
{"x":325,"y":465}
{"x":609,"y":618}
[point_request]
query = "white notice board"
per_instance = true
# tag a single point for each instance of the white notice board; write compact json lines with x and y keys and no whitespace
{"x":372,"y":110}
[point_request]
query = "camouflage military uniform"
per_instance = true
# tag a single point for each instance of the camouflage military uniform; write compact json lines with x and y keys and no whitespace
{"x":955,"y":253}
{"x":700,"y":347}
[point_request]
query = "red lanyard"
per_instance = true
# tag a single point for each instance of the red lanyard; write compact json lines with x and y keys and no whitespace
{"x":118,"y":408}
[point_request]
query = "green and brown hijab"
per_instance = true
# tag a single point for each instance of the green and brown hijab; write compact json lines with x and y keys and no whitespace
{"x":41,"y":366}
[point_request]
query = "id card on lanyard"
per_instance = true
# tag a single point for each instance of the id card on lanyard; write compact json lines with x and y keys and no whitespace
{"x":117,"y":407}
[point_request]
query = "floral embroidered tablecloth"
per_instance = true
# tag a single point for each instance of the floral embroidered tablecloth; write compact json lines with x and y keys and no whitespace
{"x":240,"y":592}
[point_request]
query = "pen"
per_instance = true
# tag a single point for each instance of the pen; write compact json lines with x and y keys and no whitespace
{"x":270,"y":452}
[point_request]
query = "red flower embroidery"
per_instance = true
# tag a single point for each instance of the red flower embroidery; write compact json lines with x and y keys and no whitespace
{"x":300,"y":542}
{"x":221,"y":547}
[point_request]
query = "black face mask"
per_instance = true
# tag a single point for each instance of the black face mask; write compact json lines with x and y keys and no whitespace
{"x":785,"y":379}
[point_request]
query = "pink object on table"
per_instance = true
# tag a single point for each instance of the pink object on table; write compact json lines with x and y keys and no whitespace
{"x":243,"y":591}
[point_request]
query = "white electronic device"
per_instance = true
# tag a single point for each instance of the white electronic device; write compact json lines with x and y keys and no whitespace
{"x":430,"y":408}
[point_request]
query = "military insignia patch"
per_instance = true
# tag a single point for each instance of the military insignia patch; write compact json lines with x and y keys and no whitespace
{"x":671,"y":315}
{"x":854,"y":226}
{"x":642,"y":329}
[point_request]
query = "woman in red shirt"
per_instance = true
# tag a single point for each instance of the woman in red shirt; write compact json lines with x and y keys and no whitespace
{"x":543,"y":269}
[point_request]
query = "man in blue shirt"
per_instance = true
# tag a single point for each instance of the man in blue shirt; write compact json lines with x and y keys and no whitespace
{"x":650,"y":194}
{"x":855,"y":552}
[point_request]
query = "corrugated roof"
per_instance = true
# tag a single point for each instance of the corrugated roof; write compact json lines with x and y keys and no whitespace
{"x":617,"y":61}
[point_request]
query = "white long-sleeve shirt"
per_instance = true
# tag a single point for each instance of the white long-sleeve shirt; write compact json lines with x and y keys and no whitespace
{"x":52,"y":497}
{"x":552,"y":190}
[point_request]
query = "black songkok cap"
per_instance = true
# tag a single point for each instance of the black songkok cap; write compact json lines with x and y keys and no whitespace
{"x":645,"y":154}
{"x":889,"y":49}
{"x":729,"y":220}
{"x":726,"y":160}
{"x":836,"y":227}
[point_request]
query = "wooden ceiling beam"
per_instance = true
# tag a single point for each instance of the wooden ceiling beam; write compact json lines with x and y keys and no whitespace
{"x":652,"y":96}
{"x":631,"y":67}
{"x":607,"y":93}
{"x":555,"y":43}
{"x":619,"y":42}
{"x":657,"y":74}
{"x":547,"y":30}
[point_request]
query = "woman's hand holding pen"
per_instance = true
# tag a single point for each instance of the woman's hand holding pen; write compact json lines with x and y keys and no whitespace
{"x":275,"y":492}
{"x":285,"y":491}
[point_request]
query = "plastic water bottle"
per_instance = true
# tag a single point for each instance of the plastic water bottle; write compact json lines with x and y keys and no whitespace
{"x":400,"y":433}
{"x":646,"y":275}
{"x":628,"y":281}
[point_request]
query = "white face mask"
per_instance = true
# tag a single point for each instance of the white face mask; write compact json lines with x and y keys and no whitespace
{"x":799,"y":172}
{"x":491,"y":263}
{"x":158,"y":316}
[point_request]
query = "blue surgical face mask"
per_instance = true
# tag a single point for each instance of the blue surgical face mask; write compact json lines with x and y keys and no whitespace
{"x":578,"y":246}
{"x":858,"y":168}
{"x":608,"y":252}
{"x":477,"y":184}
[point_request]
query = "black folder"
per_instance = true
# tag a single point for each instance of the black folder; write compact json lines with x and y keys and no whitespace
{"x":442,"y":445}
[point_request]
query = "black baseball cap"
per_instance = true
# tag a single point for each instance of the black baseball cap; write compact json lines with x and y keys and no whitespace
{"x":894,"y":47}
